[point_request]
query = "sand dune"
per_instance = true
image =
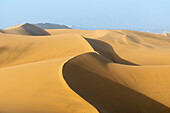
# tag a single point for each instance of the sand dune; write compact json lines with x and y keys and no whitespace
{"x":166,"y":34}
{"x":26,"y":29}
{"x":83,"y":71}
{"x":17,"y":49}
{"x":39,"y":88}
{"x":114,"y":88}
{"x":136,"y":47}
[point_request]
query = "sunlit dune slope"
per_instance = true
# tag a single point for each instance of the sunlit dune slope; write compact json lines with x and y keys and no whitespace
{"x":26,"y":29}
{"x":39,"y":88}
{"x":17,"y":49}
{"x":136,"y":47}
{"x":83,"y":71}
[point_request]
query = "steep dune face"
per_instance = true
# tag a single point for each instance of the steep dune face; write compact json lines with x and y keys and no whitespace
{"x":112,"y":88}
{"x":83,"y":71}
{"x":107,"y":51}
{"x":26,"y":29}
{"x":138,"y":47}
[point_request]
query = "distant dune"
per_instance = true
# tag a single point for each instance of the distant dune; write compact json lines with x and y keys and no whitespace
{"x":51,"y":26}
{"x":166,"y":34}
{"x":83,"y":71}
{"x":26,"y":29}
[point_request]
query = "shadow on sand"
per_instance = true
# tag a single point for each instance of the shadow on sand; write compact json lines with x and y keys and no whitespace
{"x":107,"y":51}
{"x":104,"y":94}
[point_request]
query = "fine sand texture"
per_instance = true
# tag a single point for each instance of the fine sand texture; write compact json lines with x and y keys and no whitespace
{"x":83,"y":71}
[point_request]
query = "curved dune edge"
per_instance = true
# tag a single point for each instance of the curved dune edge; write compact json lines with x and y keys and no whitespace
{"x":39,"y":88}
{"x":136,"y":47}
{"x":17,"y":49}
{"x":89,"y":75}
{"x":32,"y":82}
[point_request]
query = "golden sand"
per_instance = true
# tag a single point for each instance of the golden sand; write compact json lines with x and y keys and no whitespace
{"x":83,"y":71}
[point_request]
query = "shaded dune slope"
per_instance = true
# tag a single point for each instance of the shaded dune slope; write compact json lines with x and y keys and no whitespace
{"x":139,"y":48}
{"x":26,"y":29}
{"x":107,"y":51}
{"x":98,"y":85}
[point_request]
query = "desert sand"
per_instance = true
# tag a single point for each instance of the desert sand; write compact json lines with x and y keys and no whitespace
{"x":26,"y":29}
{"x":166,"y":34}
{"x":83,"y":71}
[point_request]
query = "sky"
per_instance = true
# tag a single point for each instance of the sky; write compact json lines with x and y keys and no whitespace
{"x":92,"y":14}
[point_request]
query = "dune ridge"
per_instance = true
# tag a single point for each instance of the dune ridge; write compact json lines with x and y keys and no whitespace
{"x":83,"y":71}
{"x":113,"y":92}
{"x":17,"y":50}
{"x":26,"y":29}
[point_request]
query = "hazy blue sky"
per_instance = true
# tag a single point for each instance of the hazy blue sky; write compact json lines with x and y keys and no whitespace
{"x":102,"y":14}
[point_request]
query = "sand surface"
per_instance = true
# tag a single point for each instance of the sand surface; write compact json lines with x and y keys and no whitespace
{"x":166,"y":34}
{"x":83,"y":71}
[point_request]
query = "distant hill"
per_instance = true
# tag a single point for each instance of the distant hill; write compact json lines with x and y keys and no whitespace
{"x":51,"y":26}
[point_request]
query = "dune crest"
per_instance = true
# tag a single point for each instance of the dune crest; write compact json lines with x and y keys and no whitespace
{"x":39,"y":88}
{"x":112,"y":89}
{"x":26,"y":29}
{"x":19,"y":49}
